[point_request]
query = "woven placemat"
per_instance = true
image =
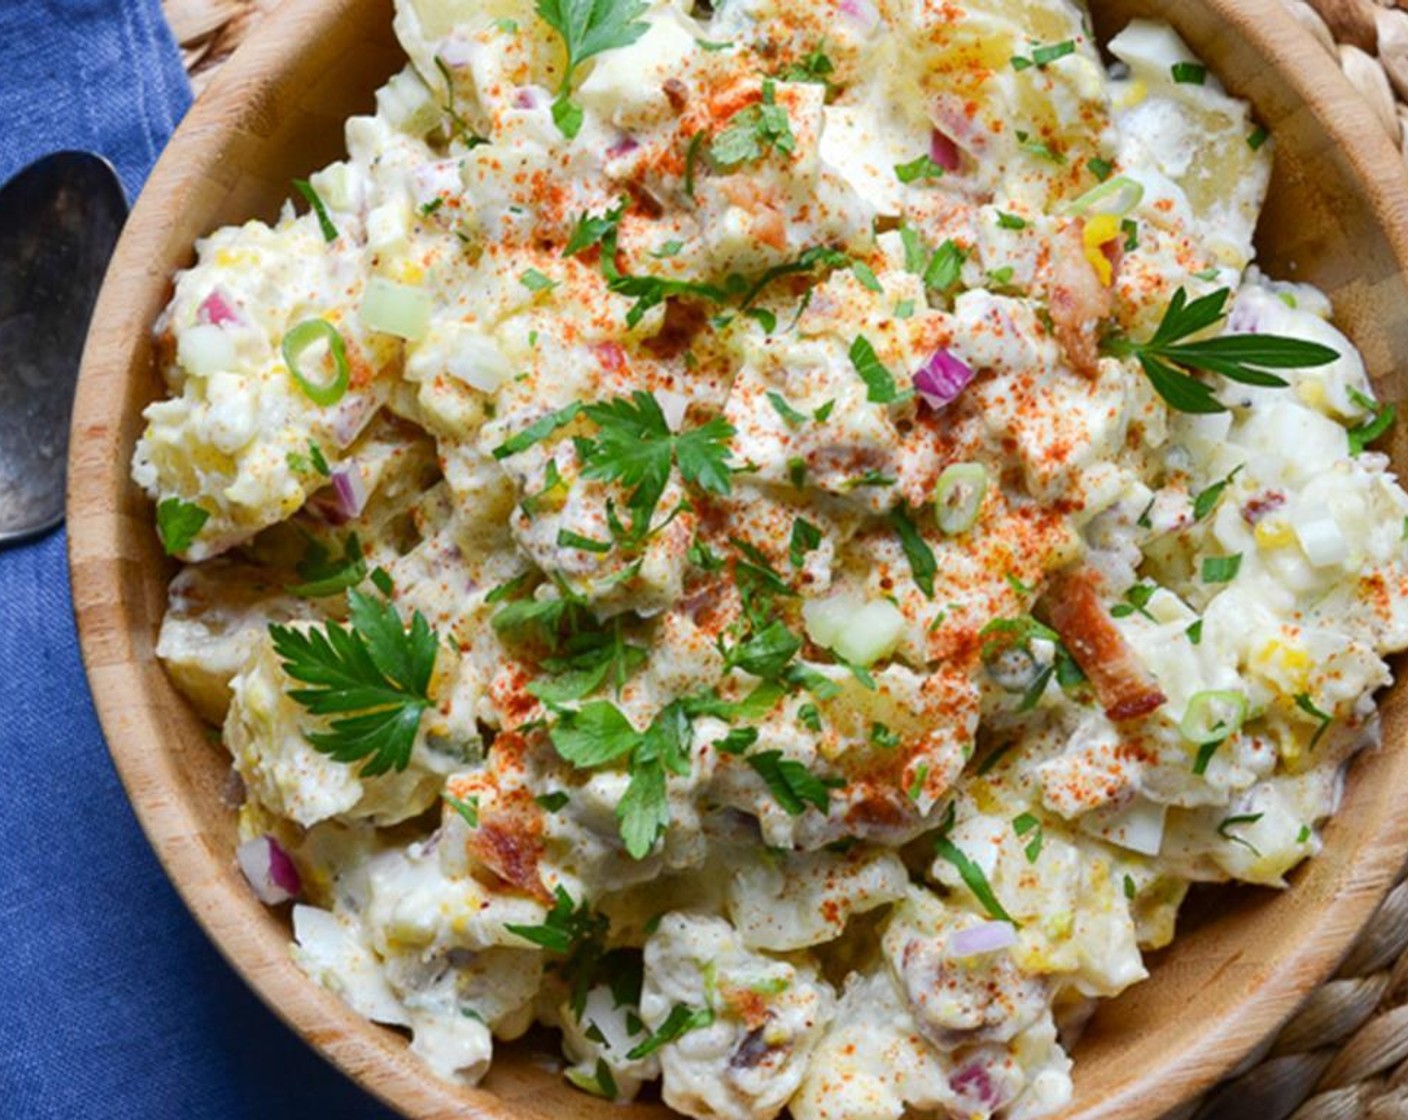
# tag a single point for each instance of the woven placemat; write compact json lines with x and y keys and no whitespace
{"x":1344,"y":1055}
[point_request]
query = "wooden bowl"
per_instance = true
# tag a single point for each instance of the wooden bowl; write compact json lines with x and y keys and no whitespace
{"x":1338,"y":216}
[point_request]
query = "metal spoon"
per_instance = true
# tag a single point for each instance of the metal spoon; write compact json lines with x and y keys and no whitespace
{"x":59,"y":221}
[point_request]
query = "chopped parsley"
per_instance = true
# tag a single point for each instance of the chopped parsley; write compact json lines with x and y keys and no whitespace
{"x":1381,"y":419}
{"x":1027,"y":824}
{"x":1044,"y":56}
{"x":1207,"y":500}
{"x":753,"y":132}
{"x":805,"y":538}
{"x":973,"y":878}
{"x":178,"y":523}
{"x":586,"y":28}
{"x":1221,"y":569}
{"x":917,"y":170}
{"x":879,"y":381}
{"x":374,"y":673}
{"x":1136,"y":601}
{"x":792,"y":784}
{"x":323,"y":574}
{"x":1189,"y":73}
{"x":681,"y":1020}
{"x":922,"y":563}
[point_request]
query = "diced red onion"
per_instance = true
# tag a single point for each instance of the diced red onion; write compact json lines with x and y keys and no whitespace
{"x":943,"y":151}
{"x":216,"y":310}
{"x":354,"y":412}
{"x":988,"y":937}
{"x":351,"y":491}
{"x":622,"y":147}
{"x":861,"y":12}
{"x":941,"y":379}
{"x":528,"y":97}
{"x":269,"y":869}
{"x":974,"y":1083}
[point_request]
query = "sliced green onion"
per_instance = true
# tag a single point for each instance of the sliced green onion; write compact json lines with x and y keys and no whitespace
{"x":1116,"y":196}
{"x":1212,"y":716}
{"x":959,"y":496}
{"x":298,"y":340}
{"x":398,"y":309}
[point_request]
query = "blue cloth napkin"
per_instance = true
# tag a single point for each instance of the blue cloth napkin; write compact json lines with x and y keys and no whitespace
{"x":113,"y":1004}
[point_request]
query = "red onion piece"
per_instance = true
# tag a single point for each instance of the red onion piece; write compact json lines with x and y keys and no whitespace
{"x":528,"y":97}
{"x":974,"y":1083}
{"x":861,"y":12}
{"x":988,"y":937}
{"x":351,"y":417}
{"x":351,"y":491}
{"x":941,"y":379}
{"x":216,"y":310}
{"x":943,"y":151}
{"x":270,"y":871}
{"x":622,"y":147}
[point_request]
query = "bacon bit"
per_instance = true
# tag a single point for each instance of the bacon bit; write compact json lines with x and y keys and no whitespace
{"x":1261,"y":505}
{"x":509,"y":841}
{"x":684,"y":319}
{"x":676,"y":93}
{"x":1122,"y":684}
{"x":1078,"y":302}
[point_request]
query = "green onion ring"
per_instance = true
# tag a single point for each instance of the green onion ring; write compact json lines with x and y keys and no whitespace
{"x":1201,"y":723}
{"x":298,"y":340}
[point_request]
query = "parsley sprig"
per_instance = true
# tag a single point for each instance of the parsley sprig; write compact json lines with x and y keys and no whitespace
{"x":375,"y":674}
{"x":588,"y":27}
{"x":753,"y":132}
{"x":1169,"y":360}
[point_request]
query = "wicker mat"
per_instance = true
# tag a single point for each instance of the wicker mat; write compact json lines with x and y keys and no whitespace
{"x":1344,"y":1055}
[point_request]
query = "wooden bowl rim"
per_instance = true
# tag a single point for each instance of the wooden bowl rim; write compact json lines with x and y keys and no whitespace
{"x":361,"y":1049}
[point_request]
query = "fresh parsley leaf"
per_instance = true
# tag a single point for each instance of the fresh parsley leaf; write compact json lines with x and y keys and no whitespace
{"x":668,"y":249}
{"x":178,"y":523}
{"x":792,"y":784}
{"x":1010,"y":221}
{"x":869,"y":478}
{"x":904,"y":309}
{"x":1189,"y":73}
{"x":922,"y":563}
{"x":537,"y":431}
{"x":536,"y":281}
{"x":374,"y":673}
{"x":323,"y":575}
{"x":1259,"y":136}
{"x":1102,"y":169}
{"x":1038,"y":148}
{"x":1195,"y":632}
{"x":468,"y":808}
{"x":691,"y":161}
{"x":881,"y":736}
{"x":879,"y":381}
{"x":973,"y":878}
{"x":650,"y":291}
{"x":458,"y":125}
{"x":764,"y":654}
{"x":595,"y":229}
{"x":805,"y":538}
{"x":320,"y":464}
{"x":1136,"y":601}
{"x":552,"y":802}
{"x":810,"y":716}
{"x":918,"y":169}
{"x":1044,"y":56}
{"x":866,"y":276}
{"x":738,"y":740}
{"x":1207,"y":500}
{"x":595,"y":734}
{"x":635,"y":447}
{"x":1221,"y":569}
{"x":1167,"y":357}
{"x":1025,"y":824}
{"x":789,"y":414}
{"x":680,"y":1021}
{"x":945,"y":267}
{"x":814,"y":67}
{"x":752,"y":132}
{"x":306,"y":189}
{"x":1381,"y":419}
{"x":587,"y":28}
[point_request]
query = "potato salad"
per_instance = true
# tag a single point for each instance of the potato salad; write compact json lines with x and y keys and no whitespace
{"x":775,"y":540}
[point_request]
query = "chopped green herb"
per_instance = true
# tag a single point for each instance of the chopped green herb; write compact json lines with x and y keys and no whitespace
{"x":1381,"y":419}
{"x":587,"y":28}
{"x":568,"y":539}
{"x":753,"y":131}
{"x":822,"y":414}
{"x":669,"y":249}
{"x":945,"y":267}
{"x":468,"y":808}
{"x":553,"y":801}
{"x":1024,"y":824}
{"x":1259,"y":135}
{"x":375,"y":673}
{"x":738,"y":740}
{"x":1232,"y":822}
{"x":1245,"y":358}
{"x":680,"y":1021}
{"x":879,"y":381}
{"x":792,"y":784}
{"x":1307,"y":705}
{"x":866,"y":276}
{"x":918,"y":169}
{"x":904,"y":309}
{"x":1190,"y":73}
{"x":314,"y":200}
{"x":922,"y":563}
{"x":882,"y":737}
{"x":814,"y":67}
{"x":178,"y":523}
{"x":1102,"y":169}
{"x":323,"y":575}
{"x":1195,"y":632}
{"x":1136,"y":601}
{"x":1010,"y":221}
{"x":1221,"y":569}
{"x":1044,"y":56}
{"x":810,"y":716}
{"x":537,"y":431}
{"x":790,"y":415}
{"x":973,"y":877}
{"x":1129,"y":888}
{"x":805,"y":538}
{"x":1207,"y":500}
{"x":691,"y":161}
{"x":536,"y":281}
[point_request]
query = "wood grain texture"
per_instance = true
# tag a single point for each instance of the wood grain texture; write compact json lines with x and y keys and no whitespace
{"x":1338,"y":216}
